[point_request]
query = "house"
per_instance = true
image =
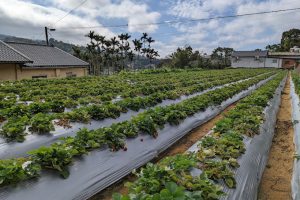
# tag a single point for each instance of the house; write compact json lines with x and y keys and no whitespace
{"x":261,"y":59}
{"x":290,"y":60}
{"x":26,"y":61}
{"x":254,"y":59}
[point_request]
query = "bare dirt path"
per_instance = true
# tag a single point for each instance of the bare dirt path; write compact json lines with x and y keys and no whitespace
{"x":180,"y":147}
{"x":276,"y":180}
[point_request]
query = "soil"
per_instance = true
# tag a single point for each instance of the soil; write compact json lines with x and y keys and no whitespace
{"x":180,"y":147}
{"x":276,"y":180}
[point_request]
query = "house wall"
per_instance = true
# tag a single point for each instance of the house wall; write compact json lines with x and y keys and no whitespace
{"x":247,"y":62}
{"x":27,"y":73}
{"x":15,"y":72}
{"x":78,"y":71}
{"x":24,"y":73}
{"x":8,"y":72}
{"x":274,"y":62}
{"x":251,"y":62}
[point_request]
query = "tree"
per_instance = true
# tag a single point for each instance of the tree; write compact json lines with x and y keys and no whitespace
{"x":221,"y":56}
{"x":137,"y":47}
{"x":182,"y":57}
{"x":124,"y":47}
{"x":115,"y":53}
{"x":274,"y":47}
{"x":290,"y":39}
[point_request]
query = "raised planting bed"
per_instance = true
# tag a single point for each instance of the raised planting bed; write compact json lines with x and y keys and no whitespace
{"x":295,"y":92}
{"x":226,"y":164}
{"x":33,"y":141}
{"x":15,"y":112}
{"x":95,"y":171}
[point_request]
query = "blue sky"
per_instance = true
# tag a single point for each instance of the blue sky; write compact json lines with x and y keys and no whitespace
{"x":26,"y":18}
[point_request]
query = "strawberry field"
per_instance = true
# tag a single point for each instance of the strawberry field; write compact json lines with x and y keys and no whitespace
{"x":78,"y":136}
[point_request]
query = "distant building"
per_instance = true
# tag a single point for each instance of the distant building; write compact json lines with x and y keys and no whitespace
{"x":295,"y":49}
{"x":26,"y":61}
{"x":289,"y":60}
{"x":253,"y":59}
{"x":265,"y":59}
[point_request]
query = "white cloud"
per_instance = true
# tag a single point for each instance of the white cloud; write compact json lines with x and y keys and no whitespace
{"x":131,"y":11}
{"x":239,"y":33}
{"x":27,"y":19}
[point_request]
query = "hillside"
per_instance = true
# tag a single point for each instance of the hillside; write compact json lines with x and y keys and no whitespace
{"x":59,"y":44}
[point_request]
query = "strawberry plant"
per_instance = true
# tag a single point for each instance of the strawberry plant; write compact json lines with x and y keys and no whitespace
{"x":114,"y":111}
{"x":57,"y":106}
{"x":217,"y":170}
{"x":78,"y":115}
{"x":16,"y":111}
{"x":174,"y":117}
{"x":39,"y":107}
{"x":54,"y":157}
{"x":126,"y":128}
{"x":146,"y":124}
{"x":41,"y":123}
{"x":115,"y":140}
{"x":228,"y":142}
{"x":98,"y":112}
{"x":69,"y":103}
{"x":14,"y":129}
{"x":89,"y":139}
{"x":16,"y":170}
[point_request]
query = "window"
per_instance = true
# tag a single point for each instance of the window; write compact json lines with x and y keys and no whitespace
{"x":274,"y":61}
{"x":39,"y":76}
{"x":70,"y":74}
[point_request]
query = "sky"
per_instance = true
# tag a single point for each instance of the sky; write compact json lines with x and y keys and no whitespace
{"x":27,"y":18}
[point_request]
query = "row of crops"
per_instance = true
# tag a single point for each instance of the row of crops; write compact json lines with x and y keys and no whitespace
{"x":34,"y":108}
{"x":35,"y":112}
{"x":214,"y":161}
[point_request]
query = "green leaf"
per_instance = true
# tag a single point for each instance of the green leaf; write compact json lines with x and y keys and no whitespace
{"x":65,"y":173}
{"x":230,"y":182}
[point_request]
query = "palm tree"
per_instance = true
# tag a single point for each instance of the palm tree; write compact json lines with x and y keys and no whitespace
{"x":150,"y":40}
{"x":137,"y":47}
{"x":124,"y":47}
{"x":91,"y":35}
{"x":151,"y":54}
{"x":114,"y":50}
{"x":130,"y":56}
{"x":144,"y":38}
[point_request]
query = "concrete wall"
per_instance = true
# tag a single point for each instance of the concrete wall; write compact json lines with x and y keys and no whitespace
{"x":15,"y":72}
{"x":251,"y":62}
{"x":274,"y":62}
{"x":52,"y":73}
{"x":78,"y":71}
{"x":24,"y":73}
{"x":8,"y":72}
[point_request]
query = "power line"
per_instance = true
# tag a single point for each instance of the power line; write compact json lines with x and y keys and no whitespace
{"x":185,"y":21}
{"x":83,"y":2}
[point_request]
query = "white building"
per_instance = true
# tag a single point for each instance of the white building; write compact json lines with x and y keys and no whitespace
{"x":254,"y":59}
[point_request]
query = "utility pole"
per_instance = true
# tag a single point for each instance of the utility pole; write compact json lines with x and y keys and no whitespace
{"x":46,"y":33}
